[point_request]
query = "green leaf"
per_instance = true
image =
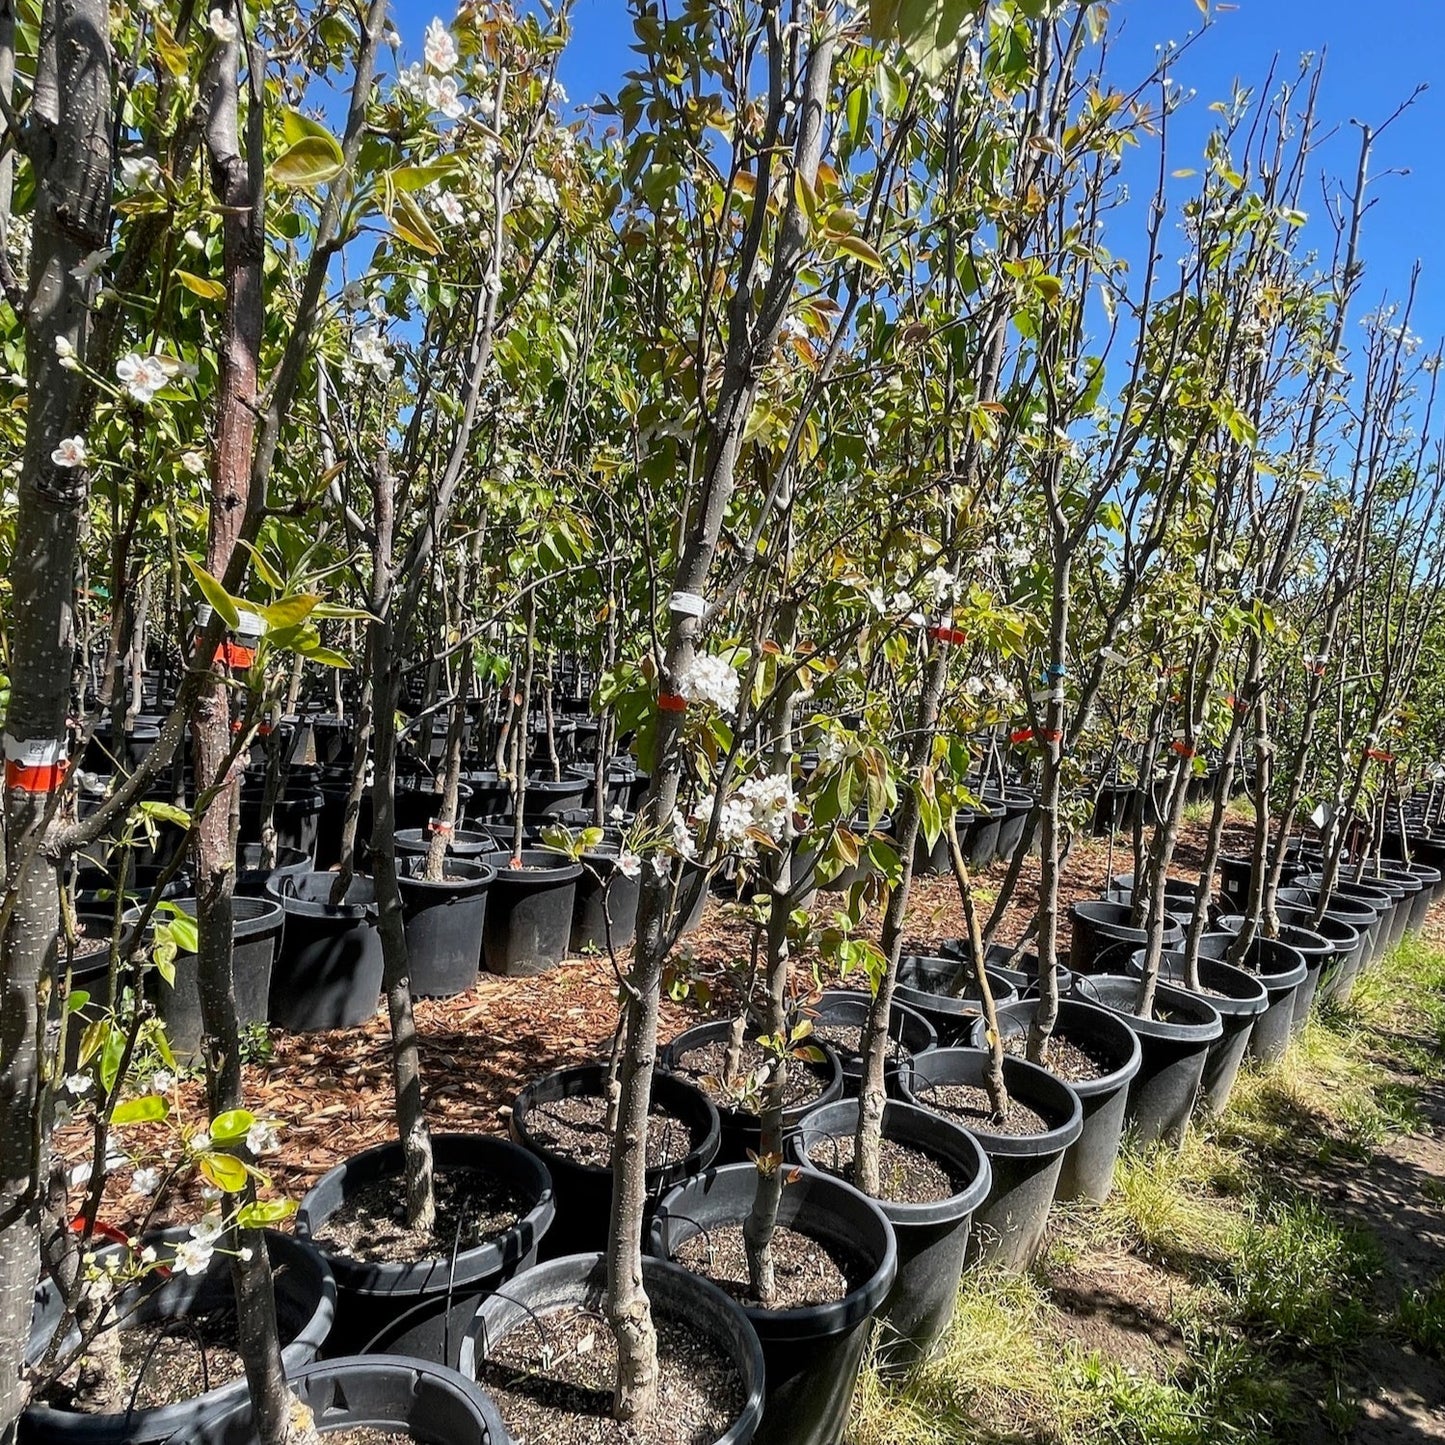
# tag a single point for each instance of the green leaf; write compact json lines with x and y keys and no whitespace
{"x":312,"y":161}
{"x":297,"y":128}
{"x":76,"y":1000}
{"x":148,"y":1109}
{"x":418,"y":178}
{"x":265,"y":1212}
{"x":325,"y":656}
{"x":202,"y":286}
{"x":288,"y":611}
{"x":225,"y":1171}
{"x":268,"y":573}
{"x":934,"y":32}
{"x":232,"y":1126}
{"x":166,"y":813}
{"x":860,"y":250}
{"x":410,"y":222}
{"x":221,"y":601}
{"x":182,"y":931}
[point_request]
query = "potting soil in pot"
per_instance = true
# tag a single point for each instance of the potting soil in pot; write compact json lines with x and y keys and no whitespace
{"x":576,"y":1127}
{"x":706,"y":1066}
{"x":1065,"y":1059}
{"x":553,"y":1384}
{"x":471,"y":1208}
{"x":807,"y":1273}
{"x":163,"y":1362}
{"x":905,"y":1175}
{"x":970,"y":1105}
{"x":847,"y":1041}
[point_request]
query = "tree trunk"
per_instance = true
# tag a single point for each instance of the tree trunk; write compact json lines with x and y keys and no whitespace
{"x":70,"y":149}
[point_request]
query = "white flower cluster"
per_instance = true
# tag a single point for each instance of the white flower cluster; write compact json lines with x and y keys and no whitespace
{"x":369,"y":349}
{"x":763,"y":804}
{"x":711,"y":679}
{"x":141,"y":376}
{"x":193,"y":1255}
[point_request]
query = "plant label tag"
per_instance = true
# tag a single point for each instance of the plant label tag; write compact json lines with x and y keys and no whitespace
{"x":687,"y":604}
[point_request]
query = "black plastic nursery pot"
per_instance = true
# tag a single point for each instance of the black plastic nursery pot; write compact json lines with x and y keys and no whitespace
{"x":529,"y":914}
{"x":418,"y":801}
{"x":812,"y":1355}
{"x":1366,"y":919}
{"x":1386,"y":899}
{"x":583,"y":1192}
{"x":295,"y":815}
{"x":421,"y":1308}
{"x":1281,"y":968}
{"x":978,"y":837}
{"x":932,"y":1237}
{"x":255,"y":930}
{"x":1348,"y":942}
{"x":465,"y":843}
{"x":1099,"y":923}
{"x":444,"y":922}
{"x":390,"y":1394}
{"x":1088,"y":1168}
{"x":1430,"y":881}
{"x":546,"y":796}
{"x":330,"y":824}
{"x":1018,"y":807}
{"x":606,"y":899}
{"x":252,"y":878}
{"x":929,"y":986}
{"x":329,"y":968}
{"x":741,"y":1130}
{"x":910,"y":1034}
{"x":1238,"y":997}
{"x":1009,"y":1226}
{"x":305,"y":1305}
{"x":1175,"y":1050}
{"x":579,"y":1281}
{"x":1416,"y":903}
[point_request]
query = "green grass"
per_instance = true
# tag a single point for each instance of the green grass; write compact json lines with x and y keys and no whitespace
{"x":1270,"y":1296}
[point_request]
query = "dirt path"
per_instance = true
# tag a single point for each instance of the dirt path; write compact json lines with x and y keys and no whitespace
{"x":1398,"y":1198}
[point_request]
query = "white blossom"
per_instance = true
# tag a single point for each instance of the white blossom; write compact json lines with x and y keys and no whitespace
{"x":63,"y":349}
{"x":145,"y":1180}
{"x":629,"y":864}
{"x":451,"y":209}
{"x":163,"y":1081}
{"x":369,"y":348}
{"x":141,"y":376}
{"x":711,"y":679}
{"x":195,"y":240}
{"x":439,"y":47}
{"x":939,"y":582}
{"x":193,"y":1256}
{"x":140,"y":173}
{"x":682,"y":839}
{"x":222,"y":26}
{"x":77,"y":1084}
{"x":200,"y":1141}
{"x":208,"y":1228}
{"x":70,"y":453}
{"x":195,"y":464}
{"x":443,"y":95}
{"x":263,"y":1137}
{"x":411,"y":80}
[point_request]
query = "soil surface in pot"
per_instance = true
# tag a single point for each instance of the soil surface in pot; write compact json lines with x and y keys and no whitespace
{"x":166,"y":1361}
{"x":367,"y":1435}
{"x":847,"y":1040}
{"x":577,"y":1129}
{"x":558,"y":1391}
{"x":705,"y":1066}
{"x":905,"y":1175}
{"x":970,"y":1105}
{"x":806,"y":1272}
{"x":1065,"y":1059}
{"x":371,"y":1224}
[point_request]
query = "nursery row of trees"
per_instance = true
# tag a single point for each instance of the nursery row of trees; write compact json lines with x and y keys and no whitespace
{"x":819,"y":415}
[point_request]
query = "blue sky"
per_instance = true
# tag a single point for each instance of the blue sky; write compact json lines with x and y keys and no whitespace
{"x":1375,"y":54}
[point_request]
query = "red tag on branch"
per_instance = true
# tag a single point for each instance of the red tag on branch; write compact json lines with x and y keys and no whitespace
{"x":436,"y":827}
{"x":671,"y":702}
{"x":1379,"y":755}
{"x":948,"y":636}
{"x":39,"y":778}
{"x":1050,"y":735}
{"x":1021,"y":735}
{"x":1182,"y":748}
{"x":235,"y":656}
